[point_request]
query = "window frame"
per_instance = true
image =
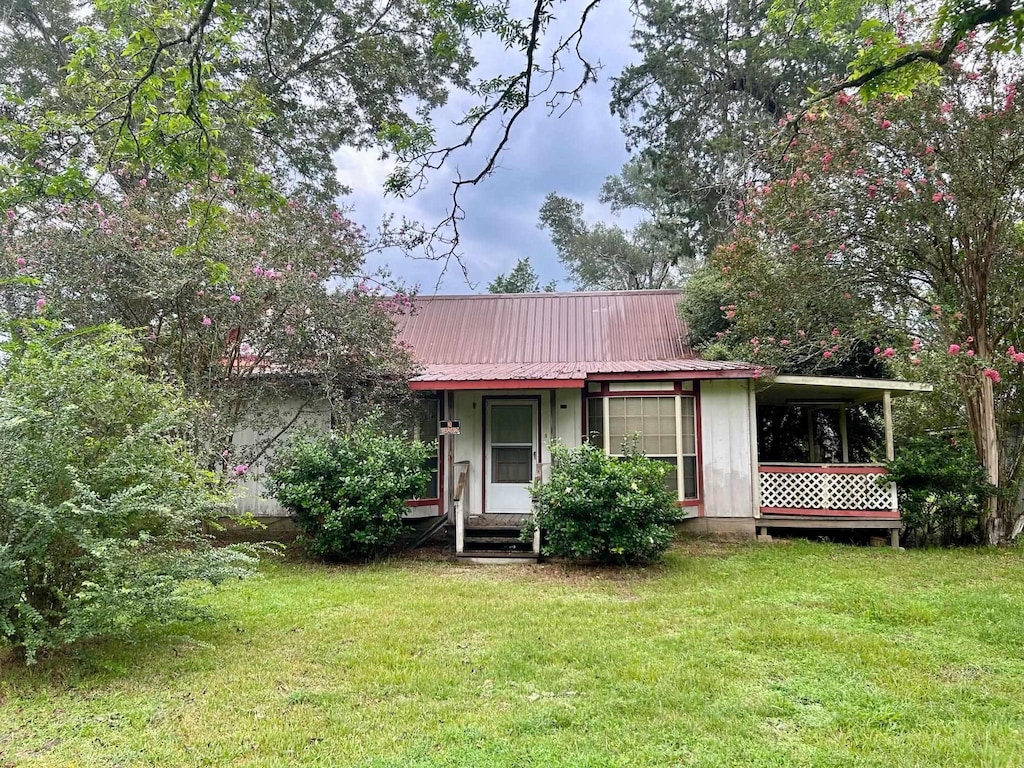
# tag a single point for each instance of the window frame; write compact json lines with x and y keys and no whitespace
{"x":674,"y":389}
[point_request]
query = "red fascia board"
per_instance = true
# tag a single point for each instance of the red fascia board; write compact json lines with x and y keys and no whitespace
{"x":877,"y":514}
{"x":746,"y":373}
{"x":445,"y":386}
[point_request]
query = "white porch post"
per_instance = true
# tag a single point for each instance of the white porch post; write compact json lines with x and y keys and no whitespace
{"x":755,"y":469}
{"x":890,"y":451}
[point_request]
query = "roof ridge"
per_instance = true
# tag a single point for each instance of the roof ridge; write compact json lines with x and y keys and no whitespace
{"x":548,"y":294}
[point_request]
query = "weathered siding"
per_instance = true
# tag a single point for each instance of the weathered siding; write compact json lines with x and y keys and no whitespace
{"x":725,"y":448}
{"x":568,"y":416}
{"x":274,"y":414}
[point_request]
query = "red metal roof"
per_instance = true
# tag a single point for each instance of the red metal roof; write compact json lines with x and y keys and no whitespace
{"x":551,"y":337}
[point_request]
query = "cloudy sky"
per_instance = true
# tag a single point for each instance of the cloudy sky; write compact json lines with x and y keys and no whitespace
{"x":571,"y":155}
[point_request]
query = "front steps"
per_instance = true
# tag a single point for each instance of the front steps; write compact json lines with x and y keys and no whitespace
{"x":496,"y":544}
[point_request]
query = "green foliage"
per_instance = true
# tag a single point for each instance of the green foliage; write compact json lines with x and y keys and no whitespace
{"x":348,"y":491}
{"x":942,"y":490}
{"x":522,"y":279}
{"x":606,"y":257}
{"x":259,"y":290}
{"x":598,"y":507}
{"x":101,"y":503}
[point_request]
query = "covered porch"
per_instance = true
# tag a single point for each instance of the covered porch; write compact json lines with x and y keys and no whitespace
{"x":822,"y":444}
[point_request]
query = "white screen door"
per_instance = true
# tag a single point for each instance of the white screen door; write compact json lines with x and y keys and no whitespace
{"x":511,"y":445}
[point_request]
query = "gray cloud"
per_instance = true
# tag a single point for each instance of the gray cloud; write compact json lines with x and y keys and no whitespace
{"x":572,"y":155}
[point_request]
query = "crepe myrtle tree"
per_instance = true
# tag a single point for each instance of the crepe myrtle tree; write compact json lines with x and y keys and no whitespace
{"x":248,"y":309}
{"x":902,"y":216}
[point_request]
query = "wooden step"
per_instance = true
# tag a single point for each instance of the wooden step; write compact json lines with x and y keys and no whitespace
{"x":488,"y":556}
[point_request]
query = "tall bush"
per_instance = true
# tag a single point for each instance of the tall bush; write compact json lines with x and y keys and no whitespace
{"x":348,"y":491}
{"x":602,"y":508}
{"x":101,"y":502}
{"x":942,"y":490}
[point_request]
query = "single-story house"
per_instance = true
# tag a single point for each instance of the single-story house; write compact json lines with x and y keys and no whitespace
{"x":503,"y":375}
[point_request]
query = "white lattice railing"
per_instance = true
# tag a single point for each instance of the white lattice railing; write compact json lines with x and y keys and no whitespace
{"x":823,"y":489}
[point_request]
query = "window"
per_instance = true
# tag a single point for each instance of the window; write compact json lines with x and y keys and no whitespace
{"x":511,"y":443}
{"x":425,"y":429}
{"x":665,"y":428}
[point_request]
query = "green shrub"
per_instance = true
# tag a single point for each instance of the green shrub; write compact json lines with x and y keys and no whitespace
{"x":101,"y":502}
{"x":596,"y":507}
{"x":348,"y":491}
{"x":942,"y":490}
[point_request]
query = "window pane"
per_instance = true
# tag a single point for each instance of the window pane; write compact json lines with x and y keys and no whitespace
{"x":689,"y":477}
{"x":431,"y":466}
{"x":428,"y":420}
{"x":689,"y":426}
{"x":671,"y":477}
{"x":511,"y":464}
{"x":595,"y":420}
{"x":654,"y":418}
{"x":512,"y":424}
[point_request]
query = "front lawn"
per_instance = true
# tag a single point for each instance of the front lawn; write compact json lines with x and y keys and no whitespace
{"x":773,"y":655}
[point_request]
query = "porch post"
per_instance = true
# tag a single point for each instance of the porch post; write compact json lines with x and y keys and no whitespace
{"x":843,"y":434}
{"x":755,"y":467}
{"x":890,"y":451}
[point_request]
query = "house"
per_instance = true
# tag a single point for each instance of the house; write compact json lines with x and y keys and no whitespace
{"x":503,"y":375}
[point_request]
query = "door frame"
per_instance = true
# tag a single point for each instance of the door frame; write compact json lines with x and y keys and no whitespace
{"x":485,"y":439}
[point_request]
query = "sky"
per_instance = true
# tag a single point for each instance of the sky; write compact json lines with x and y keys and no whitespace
{"x":571,"y":155}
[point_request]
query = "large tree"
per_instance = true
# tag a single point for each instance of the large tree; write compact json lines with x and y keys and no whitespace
{"x":265,"y":316}
{"x":907,"y":212}
{"x":606,"y":256}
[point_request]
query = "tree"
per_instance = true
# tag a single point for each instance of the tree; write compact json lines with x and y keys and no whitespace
{"x":199,"y":87}
{"x":101,"y":501}
{"x":907,"y":211}
{"x":521,"y":279}
{"x":713,"y":81}
{"x":264,"y":306}
{"x":603,"y":257}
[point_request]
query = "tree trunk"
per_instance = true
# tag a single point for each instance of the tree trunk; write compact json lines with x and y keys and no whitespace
{"x":981,"y":418}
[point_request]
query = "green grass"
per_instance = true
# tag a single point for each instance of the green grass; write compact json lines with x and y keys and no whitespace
{"x":782,"y":655}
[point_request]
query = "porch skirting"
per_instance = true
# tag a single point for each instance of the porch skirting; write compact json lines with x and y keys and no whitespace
{"x":734,"y":528}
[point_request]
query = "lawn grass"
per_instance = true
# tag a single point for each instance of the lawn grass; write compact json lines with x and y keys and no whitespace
{"x":770,"y":655}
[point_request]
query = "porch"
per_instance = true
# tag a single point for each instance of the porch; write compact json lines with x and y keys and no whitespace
{"x":822,"y":444}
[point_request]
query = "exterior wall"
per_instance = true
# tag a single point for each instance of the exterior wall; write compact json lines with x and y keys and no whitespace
{"x":726,"y":448}
{"x":556,"y":422}
{"x":273,"y":413}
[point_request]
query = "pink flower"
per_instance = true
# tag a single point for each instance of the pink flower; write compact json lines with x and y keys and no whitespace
{"x":970,"y":353}
{"x":234,"y":297}
{"x":936,"y":309}
{"x":10,"y":214}
{"x":991,"y":373}
{"x":937,"y":197}
{"x":945,"y":108}
{"x":889,"y":352}
{"x":40,"y":304}
{"x":784,"y":342}
{"x":1017,"y":357}
{"x":241,"y":469}
{"x":207,"y":320}
{"x":794,"y":247}
{"x":928,"y":150}
{"x":142,"y":182}
{"x":872,"y":191}
{"x":835,"y":331}
{"x":954,"y":349}
{"x":859,"y":172}
{"x":257,"y":271}
{"x":21,"y":263}
{"x":916,"y":345}
{"x":827,"y":354}
{"x":878,"y":350}
{"x":885,"y":124}
{"x":843,"y":99}
{"x":289,"y":331}
{"x":915,"y":361}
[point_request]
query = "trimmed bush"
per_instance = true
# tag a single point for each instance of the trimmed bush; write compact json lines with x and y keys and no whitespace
{"x":101,"y":501}
{"x":610,"y":510}
{"x":348,"y":491}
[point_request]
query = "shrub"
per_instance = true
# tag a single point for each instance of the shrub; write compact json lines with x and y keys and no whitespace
{"x":612,"y":510}
{"x":348,"y":491}
{"x":942,"y":490}
{"x":101,"y":502}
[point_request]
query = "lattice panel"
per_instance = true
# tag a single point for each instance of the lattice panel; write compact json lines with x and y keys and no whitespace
{"x":824,"y":490}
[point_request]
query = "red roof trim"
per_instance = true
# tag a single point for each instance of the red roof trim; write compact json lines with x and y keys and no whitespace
{"x":742,"y":373}
{"x":498,"y":384}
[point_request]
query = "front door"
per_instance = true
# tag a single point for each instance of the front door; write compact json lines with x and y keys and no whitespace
{"x":511,"y":446}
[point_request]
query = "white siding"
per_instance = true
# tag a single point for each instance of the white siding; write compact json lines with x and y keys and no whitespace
{"x":568,"y":416}
{"x":725,"y":448}
{"x":274,"y":414}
